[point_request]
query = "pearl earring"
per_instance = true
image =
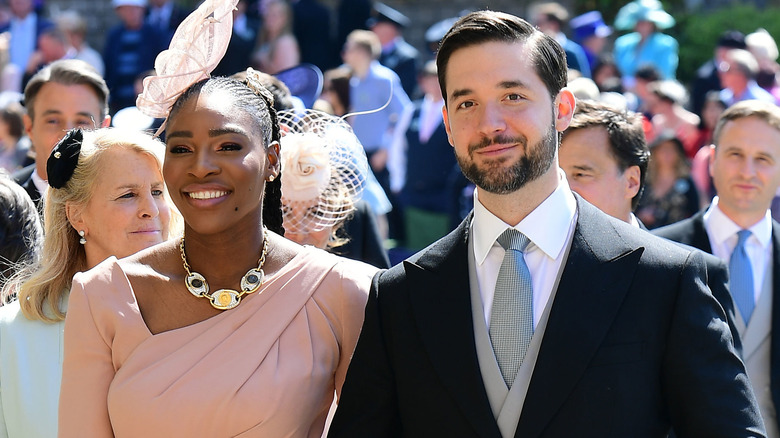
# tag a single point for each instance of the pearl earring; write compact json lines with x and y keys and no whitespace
{"x":82,"y":240}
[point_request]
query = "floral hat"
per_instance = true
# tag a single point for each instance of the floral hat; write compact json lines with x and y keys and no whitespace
{"x":324,"y":170}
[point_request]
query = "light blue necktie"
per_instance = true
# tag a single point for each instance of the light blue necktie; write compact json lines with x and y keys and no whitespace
{"x":511,"y":320}
{"x":741,"y":274}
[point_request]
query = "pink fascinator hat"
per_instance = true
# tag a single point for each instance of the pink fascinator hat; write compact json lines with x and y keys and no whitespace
{"x":197,"y":47}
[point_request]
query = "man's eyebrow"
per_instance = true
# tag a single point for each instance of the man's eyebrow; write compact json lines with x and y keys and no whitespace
{"x":462,"y":92}
{"x":512,"y":84}
{"x":504,"y":85}
{"x":582,"y":167}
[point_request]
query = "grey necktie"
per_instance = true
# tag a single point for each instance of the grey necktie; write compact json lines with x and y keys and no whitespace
{"x":511,"y":320}
{"x":741,"y":274}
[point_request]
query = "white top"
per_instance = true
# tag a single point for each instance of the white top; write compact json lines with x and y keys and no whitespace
{"x":30,"y":374}
{"x":722,"y":232}
{"x":549,"y":227}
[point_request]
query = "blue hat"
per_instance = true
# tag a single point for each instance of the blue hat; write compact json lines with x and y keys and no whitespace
{"x":589,"y":24}
{"x":436,"y":32}
{"x":304,"y":81}
{"x":643,"y":10}
{"x":383,"y":13}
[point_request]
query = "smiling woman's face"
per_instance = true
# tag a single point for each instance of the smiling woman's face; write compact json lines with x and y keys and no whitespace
{"x":127,"y":211}
{"x":215,"y":163}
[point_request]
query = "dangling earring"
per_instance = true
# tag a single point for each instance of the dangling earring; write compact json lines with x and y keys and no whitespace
{"x":82,"y":240}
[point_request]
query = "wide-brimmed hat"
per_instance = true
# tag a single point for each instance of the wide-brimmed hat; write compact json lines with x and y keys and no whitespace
{"x":643,"y":10}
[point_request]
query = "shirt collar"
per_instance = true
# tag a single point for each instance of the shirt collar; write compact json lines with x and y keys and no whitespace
{"x":721,"y":227}
{"x":547,"y":226}
{"x":39,"y":182}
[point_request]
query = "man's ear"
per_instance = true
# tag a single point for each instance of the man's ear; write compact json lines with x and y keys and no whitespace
{"x":633,"y":180}
{"x":28,"y":123}
{"x":564,"y":109}
{"x":446,"y":121}
{"x":711,"y":158}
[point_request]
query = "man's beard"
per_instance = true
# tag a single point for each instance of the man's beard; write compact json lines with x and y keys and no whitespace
{"x":495,"y":178}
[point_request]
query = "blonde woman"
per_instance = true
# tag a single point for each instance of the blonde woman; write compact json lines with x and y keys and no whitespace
{"x":106,"y":197}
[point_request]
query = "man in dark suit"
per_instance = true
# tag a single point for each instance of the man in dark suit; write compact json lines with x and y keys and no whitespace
{"x":604,"y":154}
{"x":165,"y":16}
{"x":63,"y":95}
{"x":397,"y":55}
{"x":745,"y":168}
{"x":614,"y":332}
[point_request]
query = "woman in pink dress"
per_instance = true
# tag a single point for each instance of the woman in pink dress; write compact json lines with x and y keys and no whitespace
{"x":232,"y":330}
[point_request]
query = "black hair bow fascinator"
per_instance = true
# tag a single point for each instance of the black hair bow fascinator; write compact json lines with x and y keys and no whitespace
{"x":64,"y":158}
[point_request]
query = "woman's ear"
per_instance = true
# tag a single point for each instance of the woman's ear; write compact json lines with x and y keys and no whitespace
{"x":75,"y":215}
{"x":274,"y":161}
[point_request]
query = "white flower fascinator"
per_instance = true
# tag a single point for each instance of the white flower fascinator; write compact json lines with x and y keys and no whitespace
{"x":198,"y":45}
{"x":324,"y":170}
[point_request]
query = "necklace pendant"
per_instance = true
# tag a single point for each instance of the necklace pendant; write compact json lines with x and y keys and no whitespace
{"x":252,"y":280}
{"x":196,"y":284}
{"x":224,"y":299}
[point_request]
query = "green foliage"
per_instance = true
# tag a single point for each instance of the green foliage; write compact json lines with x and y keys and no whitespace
{"x":698,"y":33}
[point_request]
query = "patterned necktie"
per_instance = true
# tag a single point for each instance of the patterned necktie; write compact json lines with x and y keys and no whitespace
{"x":511,"y":320}
{"x":741,"y":274}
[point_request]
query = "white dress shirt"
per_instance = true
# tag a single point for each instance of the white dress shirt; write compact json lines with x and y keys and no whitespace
{"x":722,"y":232}
{"x":40,"y":183}
{"x":549,"y":227}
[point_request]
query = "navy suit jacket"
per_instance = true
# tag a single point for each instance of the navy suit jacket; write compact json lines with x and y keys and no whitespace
{"x":635,"y":344}
{"x":23,"y":177}
{"x":691,"y":231}
{"x":402,"y":59}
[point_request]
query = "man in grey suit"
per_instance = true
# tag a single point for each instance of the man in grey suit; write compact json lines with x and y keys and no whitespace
{"x":745,"y":168}
{"x":593,"y":329}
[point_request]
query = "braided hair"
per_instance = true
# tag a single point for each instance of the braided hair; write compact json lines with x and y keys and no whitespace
{"x":257,"y":101}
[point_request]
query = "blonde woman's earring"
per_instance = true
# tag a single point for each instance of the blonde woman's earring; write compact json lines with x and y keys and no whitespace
{"x":82,"y":240}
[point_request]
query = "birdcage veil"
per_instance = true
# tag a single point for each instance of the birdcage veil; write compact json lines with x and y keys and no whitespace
{"x":196,"y":48}
{"x":324,"y":170}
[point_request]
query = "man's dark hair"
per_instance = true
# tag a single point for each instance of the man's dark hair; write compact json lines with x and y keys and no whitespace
{"x":546,"y":55}
{"x":627,"y":142}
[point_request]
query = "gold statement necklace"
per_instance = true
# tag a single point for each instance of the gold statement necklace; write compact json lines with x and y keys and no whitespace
{"x":225,"y":299}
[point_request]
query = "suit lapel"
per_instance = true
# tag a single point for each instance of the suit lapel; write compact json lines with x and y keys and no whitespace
{"x":594,"y":282}
{"x":774,"y":378}
{"x":442,"y":310}
{"x":699,"y":238}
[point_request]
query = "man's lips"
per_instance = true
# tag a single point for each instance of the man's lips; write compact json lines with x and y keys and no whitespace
{"x":495,"y":149}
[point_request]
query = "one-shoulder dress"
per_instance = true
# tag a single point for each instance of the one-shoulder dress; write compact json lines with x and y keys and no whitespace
{"x":267,"y":368}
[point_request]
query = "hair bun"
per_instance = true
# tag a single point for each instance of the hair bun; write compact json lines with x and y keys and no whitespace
{"x":64,"y":158}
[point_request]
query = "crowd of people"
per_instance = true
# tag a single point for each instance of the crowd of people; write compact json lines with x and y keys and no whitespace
{"x":532,"y":229}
